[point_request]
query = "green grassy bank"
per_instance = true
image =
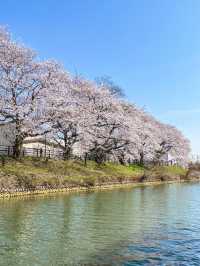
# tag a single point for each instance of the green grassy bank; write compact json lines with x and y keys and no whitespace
{"x":33,"y":174}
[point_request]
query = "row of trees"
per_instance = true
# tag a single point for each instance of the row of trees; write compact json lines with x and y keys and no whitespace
{"x":42,"y":98}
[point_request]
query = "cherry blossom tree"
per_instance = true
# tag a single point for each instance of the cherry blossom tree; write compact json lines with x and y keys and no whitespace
{"x":172,"y":141}
{"x":62,"y":111}
{"x":22,"y":78}
{"x":129,"y":152}
{"x":143,"y":135}
{"x":103,"y":121}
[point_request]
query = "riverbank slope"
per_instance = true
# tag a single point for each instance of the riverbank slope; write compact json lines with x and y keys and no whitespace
{"x":32,"y":174}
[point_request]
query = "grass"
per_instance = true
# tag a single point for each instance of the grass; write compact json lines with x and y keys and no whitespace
{"x":170,"y":170}
{"x":165,"y":173}
{"x":31,"y":173}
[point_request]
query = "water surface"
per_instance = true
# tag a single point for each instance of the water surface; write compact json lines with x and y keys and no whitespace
{"x":155,"y":225}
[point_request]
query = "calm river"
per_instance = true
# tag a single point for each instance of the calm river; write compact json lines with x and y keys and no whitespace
{"x":155,"y":225}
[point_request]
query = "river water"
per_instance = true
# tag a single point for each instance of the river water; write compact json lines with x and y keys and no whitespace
{"x":153,"y":225}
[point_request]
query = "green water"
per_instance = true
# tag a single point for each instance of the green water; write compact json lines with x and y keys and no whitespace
{"x":155,"y":225}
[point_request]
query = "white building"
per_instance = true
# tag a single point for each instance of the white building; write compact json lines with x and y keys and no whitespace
{"x":36,"y":146}
{"x":168,"y":158}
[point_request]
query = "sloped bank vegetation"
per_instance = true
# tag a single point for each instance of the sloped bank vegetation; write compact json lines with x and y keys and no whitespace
{"x":32,"y":174}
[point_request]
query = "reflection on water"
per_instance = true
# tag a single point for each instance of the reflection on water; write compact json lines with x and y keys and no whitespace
{"x":157,"y":225}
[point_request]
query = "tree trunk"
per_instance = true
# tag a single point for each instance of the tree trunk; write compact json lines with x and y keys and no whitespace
{"x":67,"y":153}
{"x":18,"y":139}
{"x":85,"y":159}
{"x":99,"y":156}
{"x":141,"y":158}
{"x":17,"y":146}
{"x":121,"y":159}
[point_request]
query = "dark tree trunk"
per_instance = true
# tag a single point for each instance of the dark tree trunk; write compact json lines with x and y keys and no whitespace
{"x":141,"y":161}
{"x":18,"y":139}
{"x":121,"y":159}
{"x":99,"y":156}
{"x":67,"y":149}
{"x":85,"y":159}
{"x":17,"y":147}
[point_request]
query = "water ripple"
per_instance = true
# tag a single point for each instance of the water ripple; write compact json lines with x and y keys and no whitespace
{"x":143,"y":226}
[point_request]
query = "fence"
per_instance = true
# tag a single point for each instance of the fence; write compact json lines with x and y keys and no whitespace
{"x":154,"y":163}
{"x":59,"y":154}
{"x":32,"y":152}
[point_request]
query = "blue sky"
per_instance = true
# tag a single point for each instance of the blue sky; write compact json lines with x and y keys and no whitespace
{"x":151,"y":48}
